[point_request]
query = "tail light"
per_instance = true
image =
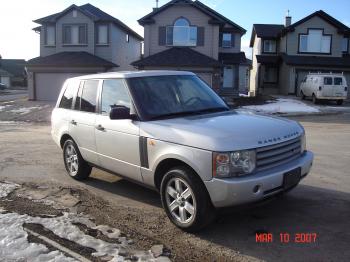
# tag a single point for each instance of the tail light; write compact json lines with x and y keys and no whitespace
{"x":320,"y":88}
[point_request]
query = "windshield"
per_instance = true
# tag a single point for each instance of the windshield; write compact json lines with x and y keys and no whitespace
{"x":158,"y":97}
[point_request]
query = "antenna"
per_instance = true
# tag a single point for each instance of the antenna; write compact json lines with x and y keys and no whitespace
{"x":288,"y":13}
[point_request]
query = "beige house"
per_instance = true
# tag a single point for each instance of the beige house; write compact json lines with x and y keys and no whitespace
{"x":79,"y":40}
{"x":284,"y":54}
{"x":188,"y":35}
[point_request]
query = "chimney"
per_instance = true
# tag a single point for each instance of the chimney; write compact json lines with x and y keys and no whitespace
{"x":288,"y":20}
{"x":157,"y":6}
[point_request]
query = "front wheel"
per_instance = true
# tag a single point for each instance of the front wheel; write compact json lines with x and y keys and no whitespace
{"x":302,"y":95}
{"x":339,"y":102}
{"x":76,"y":166}
{"x":185,"y":199}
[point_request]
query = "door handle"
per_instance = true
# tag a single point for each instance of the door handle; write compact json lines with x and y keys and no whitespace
{"x":73,"y":122}
{"x":100,"y":128}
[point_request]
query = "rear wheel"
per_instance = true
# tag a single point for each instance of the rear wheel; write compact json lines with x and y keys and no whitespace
{"x":302,"y":95}
{"x":185,"y":199}
{"x":339,"y":102}
{"x":76,"y":166}
{"x":314,"y":99}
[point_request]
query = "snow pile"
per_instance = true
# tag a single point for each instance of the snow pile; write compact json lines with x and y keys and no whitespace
{"x":283,"y":105}
{"x":3,"y":107}
{"x":6,"y":188}
{"x":25,"y":110}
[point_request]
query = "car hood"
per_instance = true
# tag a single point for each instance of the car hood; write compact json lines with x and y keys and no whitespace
{"x":225,"y":131}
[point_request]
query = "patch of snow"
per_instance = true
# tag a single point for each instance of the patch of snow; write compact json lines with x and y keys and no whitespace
{"x":25,"y":110}
{"x":243,"y":95}
{"x":283,"y":105}
{"x":3,"y":107}
{"x":6,"y":188}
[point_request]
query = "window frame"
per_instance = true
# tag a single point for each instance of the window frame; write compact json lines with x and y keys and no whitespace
{"x":347,"y":40}
{"x":323,"y":34}
{"x":277,"y":74}
{"x":54,"y":35}
{"x":190,"y":26}
{"x":75,"y":44}
{"x":97,"y":31}
{"x":80,"y":92}
{"x":231,"y":40}
{"x":268,"y":52}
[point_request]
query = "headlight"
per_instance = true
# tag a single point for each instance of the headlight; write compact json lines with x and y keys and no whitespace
{"x":232,"y":164}
{"x":303,"y":143}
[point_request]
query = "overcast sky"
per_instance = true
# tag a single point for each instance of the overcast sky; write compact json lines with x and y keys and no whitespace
{"x":17,"y":40}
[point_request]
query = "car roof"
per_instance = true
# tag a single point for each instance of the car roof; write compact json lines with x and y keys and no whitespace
{"x":132,"y":74}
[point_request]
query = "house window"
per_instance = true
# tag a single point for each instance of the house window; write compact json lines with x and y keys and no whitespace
{"x":181,"y":34}
{"x":269,"y":46}
{"x":271,"y":74}
{"x":227,"y":40}
{"x":50,"y":39}
{"x":74,"y":34}
{"x":102,"y":34}
{"x":315,"y":42}
{"x":127,"y":38}
{"x":345,"y":45}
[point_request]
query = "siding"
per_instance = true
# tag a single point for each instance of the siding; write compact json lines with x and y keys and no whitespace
{"x":196,"y":17}
{"x":256,"y":50}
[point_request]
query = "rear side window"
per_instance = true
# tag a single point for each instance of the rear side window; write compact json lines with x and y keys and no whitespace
{"x":68,"y":95}
{"x":328,"y":81}
{"x":89,"y":96}
{"x":114,"y":93}
{"x":338,"y":81}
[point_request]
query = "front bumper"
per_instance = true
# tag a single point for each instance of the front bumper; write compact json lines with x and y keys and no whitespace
{"x":236,"y":191}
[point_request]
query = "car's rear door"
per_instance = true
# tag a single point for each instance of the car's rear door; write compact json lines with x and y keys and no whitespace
{"x":327,"y":90}
{"x":117,"y":140}
{"x":83,"y":118}
{"x":339,"y":86}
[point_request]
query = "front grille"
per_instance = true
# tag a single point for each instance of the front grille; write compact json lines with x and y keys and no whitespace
{"x":271,"y":156}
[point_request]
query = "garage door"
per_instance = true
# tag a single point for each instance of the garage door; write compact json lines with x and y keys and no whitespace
{"x":206,"y":77}
{"x":48,"y":85}
{"x":5,"y":80}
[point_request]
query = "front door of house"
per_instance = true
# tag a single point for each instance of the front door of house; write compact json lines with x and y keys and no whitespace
{"x":229,"y":77}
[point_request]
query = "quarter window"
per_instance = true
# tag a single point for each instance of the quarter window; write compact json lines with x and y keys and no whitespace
{"x":328,"y":81}
{"x":114,"y":93}
{"x":269,"y":46}
{"x":68,"y":95}
{"x":74,"y":34}
{"x":315,"y":42}
{"x":88,"y":96}
{"x":50,"y":39}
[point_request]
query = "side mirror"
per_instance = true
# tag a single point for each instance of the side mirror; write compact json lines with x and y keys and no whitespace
{"x":119,"y":112}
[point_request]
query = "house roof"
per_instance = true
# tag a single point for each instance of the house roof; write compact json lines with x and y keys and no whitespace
{"x":71,"y":59}
{"x":178,"y":56}
{"x":265,"y":31}
{"x":328,"y":18}
{"x":268,"y":59}
{"x":216,"y":17}
{"x":316,"y":60}
{"x":233,"y":58}
{"x":94,"y":13}
{"x":13,"y":66}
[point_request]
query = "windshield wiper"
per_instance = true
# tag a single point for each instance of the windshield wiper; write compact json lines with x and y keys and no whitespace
{"x":187,"y":113}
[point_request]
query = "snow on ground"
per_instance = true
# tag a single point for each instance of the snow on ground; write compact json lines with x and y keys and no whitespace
{"x":25,"y":110}
{"x":283,"y":105}
{"x":14,"y":243}
{"x":3,"y":107}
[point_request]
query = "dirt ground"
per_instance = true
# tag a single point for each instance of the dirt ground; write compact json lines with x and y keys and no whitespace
{"x":320,"y":204}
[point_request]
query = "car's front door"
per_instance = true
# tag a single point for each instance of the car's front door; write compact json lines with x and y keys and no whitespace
{"x":117,"y":141}
{"x":82,"y":120}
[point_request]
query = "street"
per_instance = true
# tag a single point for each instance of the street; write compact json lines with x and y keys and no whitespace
{"x":320,"y":205}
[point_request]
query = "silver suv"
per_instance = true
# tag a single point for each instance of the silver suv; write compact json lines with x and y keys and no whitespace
{"x":170,"y":131}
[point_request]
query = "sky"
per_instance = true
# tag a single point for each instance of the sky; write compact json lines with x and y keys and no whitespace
{"x":17,"y":40}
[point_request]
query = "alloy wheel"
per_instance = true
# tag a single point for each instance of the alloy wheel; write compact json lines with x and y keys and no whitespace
{"x":72,"y":161}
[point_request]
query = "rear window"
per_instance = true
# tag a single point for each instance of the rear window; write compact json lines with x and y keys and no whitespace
{"x":338,"y":81}
{"x":68,"y":95}
{"x":328,"y":81}
{"x":89,"y":96}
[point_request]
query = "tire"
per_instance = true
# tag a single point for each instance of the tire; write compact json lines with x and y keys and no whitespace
{"x":340,"y":102}
{"x":314,"y":99}
{"x":175,"y":183}
{"x":302,"y":95}
{"x":76,"y":166}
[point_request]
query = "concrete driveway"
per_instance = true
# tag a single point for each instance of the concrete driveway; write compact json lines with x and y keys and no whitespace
{"x":320,"y":205}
